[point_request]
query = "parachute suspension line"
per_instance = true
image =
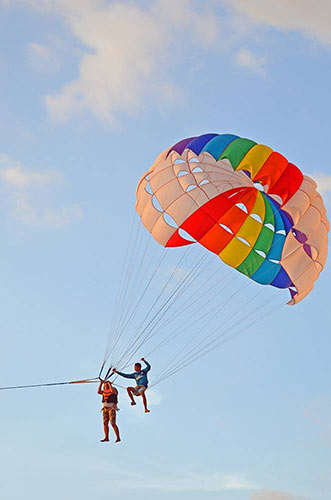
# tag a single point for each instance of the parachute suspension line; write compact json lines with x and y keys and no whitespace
{"x":136,"y":336}
{"x":200,"y":343}
{"x":231,"y":326}
{"x":123,"y":279}
{"x":222,"y":342}
{"x":189,"y":301}
{"x":131,"y":276}
{"x":101,"y":369}
{"x":130,"y":315}
{"x":216,"y":311}
{"x":198,"y":351}
{"x":151,"y":328}
{"x":179,"y":330}
{"x":135,"y":281}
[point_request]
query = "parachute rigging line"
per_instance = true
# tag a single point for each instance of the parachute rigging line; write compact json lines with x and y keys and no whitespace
{"x":84,"y":381}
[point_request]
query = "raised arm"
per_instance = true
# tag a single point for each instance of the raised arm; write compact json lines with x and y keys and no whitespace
{"x":148,"y":366}
{"x":99,"y":388}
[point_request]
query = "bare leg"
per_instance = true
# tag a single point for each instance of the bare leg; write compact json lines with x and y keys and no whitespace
{"x":130,"y":391}
{"x":145,"y":402}
{"x":117,"y":432}
{"x":106,"y":429}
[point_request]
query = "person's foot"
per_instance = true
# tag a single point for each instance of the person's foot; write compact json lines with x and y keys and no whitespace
{"x":133,"y":403}
{"x":147,"y":411}
{"x":118,"y":440}
{"x":104,"y":440}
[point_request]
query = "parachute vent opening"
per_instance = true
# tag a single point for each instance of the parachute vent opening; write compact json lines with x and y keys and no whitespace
{"x":196,"y":169}
{"x":181,"y":173}
{"x":169,"y":220}
{"x":205,"y":181}
{"x":193,"y":159}
{"x":270,"y":226}
{"x":242,"y":207}
{"x":293,"y":291}
{"x":147,"y":178}
{"x":156,"y":204}
{"x":190,"y":187}
{"x":148,"y":188}
{"x":261,"y":253}
{"x":185,"y":235}
{"x":281,"y":231}
{"x":299,"y":235}
{"x":307,"y":249}
{"x":179,"y":161}
{"x":256,"y":217}
{"x":274,"y":261}
{"x":243,"y":241}
{"x":259,"y":186}
{"x":226,"y":228}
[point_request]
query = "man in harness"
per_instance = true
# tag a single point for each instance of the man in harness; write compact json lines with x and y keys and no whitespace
{"x":109,"y":399}
{"x":141,"y":379}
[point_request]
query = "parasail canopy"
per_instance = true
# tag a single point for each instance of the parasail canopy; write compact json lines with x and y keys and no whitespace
{"x":242,"y":201}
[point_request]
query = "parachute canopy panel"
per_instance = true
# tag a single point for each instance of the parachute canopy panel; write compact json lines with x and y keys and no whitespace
{"x":242,"y":201}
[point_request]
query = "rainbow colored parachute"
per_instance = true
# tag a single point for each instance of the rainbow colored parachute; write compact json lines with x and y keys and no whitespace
{"x":244,"y":202}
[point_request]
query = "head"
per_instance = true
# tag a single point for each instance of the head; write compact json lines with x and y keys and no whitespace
{"x":107,"y":386}
{"x":137,"y":367}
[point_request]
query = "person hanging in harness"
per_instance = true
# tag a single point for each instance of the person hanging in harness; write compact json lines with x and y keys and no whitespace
{"x":140,"y":376}
{"x":109,"y":399}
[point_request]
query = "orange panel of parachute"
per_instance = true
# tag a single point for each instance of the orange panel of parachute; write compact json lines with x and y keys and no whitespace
{"x":242,"y":201}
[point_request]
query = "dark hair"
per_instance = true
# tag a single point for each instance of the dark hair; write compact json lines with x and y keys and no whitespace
{"x":138,"y":365}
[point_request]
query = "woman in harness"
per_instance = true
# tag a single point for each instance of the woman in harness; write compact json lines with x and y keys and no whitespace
{"x":141,"y":379}
{"x":109,"y":399}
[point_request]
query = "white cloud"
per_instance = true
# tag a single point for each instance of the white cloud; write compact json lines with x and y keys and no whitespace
{"x":304,"y":16}
{"x":42,"y":57}
{"x":38,"y":50}
{"x":131,"y":52}
{"x":323,"y":182}
{"x":27,"y":194}
{"x":12,"y":174}
{"x":246,"y":59}
{"x":267,"y":494}
{"x":127,"y":57}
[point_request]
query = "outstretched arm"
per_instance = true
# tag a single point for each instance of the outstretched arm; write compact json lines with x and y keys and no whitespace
{"x":125,"y":375}
{"x":148,"y":366}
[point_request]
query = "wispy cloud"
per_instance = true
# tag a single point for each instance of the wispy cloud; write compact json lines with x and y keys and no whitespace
{"x":131,"y":53}
{"x":128,"y":53}
{"x":26,"y":193}
{"x":42,"y":57}
{"x":267,"y":494}
{"x":323,"y":182}
{"x":251,"y":62}
{"x":297,"y":15}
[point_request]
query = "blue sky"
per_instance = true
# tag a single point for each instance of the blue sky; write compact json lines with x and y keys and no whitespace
{"x":91,"y":92}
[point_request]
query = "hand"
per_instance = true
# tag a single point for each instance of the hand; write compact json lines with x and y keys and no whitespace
{"x":114,"y":370}
{"x":143,"y":359}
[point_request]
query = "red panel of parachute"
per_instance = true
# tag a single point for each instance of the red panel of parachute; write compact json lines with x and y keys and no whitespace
{"x":288,"y":183}
{"x":204,"y":224}
{"x":272,"y":169}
